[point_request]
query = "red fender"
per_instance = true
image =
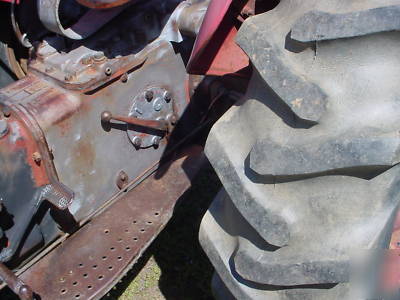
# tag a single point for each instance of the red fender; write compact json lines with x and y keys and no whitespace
{"x":215,"y":51}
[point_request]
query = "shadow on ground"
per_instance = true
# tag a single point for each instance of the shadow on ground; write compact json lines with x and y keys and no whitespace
{"x":175,"y":266}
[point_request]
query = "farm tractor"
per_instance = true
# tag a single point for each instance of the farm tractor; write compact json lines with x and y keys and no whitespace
{"x":108,"y":108}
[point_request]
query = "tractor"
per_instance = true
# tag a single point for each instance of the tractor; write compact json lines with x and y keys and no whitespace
{"x":108,"y":108}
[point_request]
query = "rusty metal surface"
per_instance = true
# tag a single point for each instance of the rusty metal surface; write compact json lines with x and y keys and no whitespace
{"x":111,"y":53}
{"x":15,"y":284}
{"x":74,"y":158}
{"x":92,"y":260}
{"x":80,"y":145}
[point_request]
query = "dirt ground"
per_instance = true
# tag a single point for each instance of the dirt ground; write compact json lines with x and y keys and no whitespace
{"x":175,"y":266}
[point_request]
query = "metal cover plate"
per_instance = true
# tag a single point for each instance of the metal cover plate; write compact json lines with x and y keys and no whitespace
{"x":92,"y":260}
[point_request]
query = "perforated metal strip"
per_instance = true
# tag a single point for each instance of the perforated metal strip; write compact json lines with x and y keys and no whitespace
{"x":92,"y":260}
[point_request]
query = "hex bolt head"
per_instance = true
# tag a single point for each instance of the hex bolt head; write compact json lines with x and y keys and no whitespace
{"x":167,"y":96}
{"x":137,"y":141}
{"x":124,"y":77}
{"x":149,"y":95}
{"x":158,"y":104}
{"x":156,"y":140}
{"x":3,"y":128}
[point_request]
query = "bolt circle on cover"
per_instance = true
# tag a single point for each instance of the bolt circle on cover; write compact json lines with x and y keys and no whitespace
{"x":154,"y":103}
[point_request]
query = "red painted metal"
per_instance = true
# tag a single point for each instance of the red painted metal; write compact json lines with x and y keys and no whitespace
{"x":215,"y":51}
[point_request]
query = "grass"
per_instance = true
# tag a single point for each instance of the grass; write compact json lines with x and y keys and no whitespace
{"x":175,"y":266}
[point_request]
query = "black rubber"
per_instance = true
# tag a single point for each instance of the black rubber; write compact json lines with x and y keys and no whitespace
{"x":309,"y":158}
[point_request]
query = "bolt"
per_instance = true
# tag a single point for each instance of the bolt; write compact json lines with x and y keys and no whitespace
{"x":155,"y":140}
{"x":157,"y":105}
{"x":106,"y":116}
{"x":68,"y":77}
{"x":108,"y":71}
{"x":37,"y":158}
{"x":137,"y":141}
{"x":99,"y":56}
{"x":6,"y":111}
{"x":149,"y":95}
{"x":167,"y":96}
{"x":124,"y":77}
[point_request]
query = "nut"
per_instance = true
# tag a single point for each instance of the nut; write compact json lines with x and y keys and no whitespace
{"x":149,"y":95}
{"x":99,"y":56}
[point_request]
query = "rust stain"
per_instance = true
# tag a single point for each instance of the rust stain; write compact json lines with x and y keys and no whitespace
{"x":20,"y":139}
{"x":85,"y":154}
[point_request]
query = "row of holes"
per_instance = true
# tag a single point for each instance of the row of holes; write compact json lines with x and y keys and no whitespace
{"x":101,"y":277}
